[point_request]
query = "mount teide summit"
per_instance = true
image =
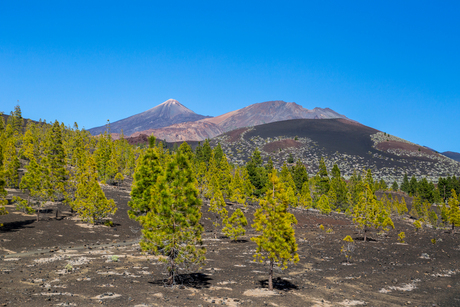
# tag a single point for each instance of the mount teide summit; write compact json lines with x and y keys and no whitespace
{"x":253,"y":115}
{"x":168,"y":113}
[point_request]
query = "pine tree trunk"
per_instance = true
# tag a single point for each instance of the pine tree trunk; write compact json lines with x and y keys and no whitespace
{"x":365,"y":234}
{"x":270,"y":277}
{"x":38,"y":211}
{"x":171,"y":272}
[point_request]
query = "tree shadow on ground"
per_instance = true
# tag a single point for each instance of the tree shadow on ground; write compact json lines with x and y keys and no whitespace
{"x":361,"y":238}
{"x":279,"y":284}
{"x":16,"y":226}
{"x":45,"y":211}
{"x":194,"y":280}
{"x":239,"y":241}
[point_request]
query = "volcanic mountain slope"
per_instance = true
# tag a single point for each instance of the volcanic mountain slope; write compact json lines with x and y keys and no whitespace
{"x":253,"y":115}
{"x":168,"y":113}
{"x":349,"y":144}
{"x":453,"y":155}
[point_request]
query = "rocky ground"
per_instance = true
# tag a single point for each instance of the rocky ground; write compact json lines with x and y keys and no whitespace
{"x":64,"y":262}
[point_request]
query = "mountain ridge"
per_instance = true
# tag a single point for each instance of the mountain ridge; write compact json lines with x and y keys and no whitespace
{"x":165,"y":114}
{"x":252,"y":115}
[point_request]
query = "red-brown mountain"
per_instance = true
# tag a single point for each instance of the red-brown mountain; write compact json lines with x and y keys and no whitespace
{"x":253,"y":115}
{"x":451,"y":154}
{"x":168,"y":113}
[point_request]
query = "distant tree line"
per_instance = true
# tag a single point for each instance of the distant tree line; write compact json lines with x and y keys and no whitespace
{"x":62,"y":165}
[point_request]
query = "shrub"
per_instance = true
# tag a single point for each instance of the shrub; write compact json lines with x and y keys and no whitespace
{"x":401,"y":237}
{"x":417,"y":225}
{"x":22,"y":205}
{"x":348,"y":247}
{"x":69,"y":267}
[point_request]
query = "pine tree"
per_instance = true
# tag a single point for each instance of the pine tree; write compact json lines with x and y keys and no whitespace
{"x":218,"y":154}
{"x":217,"y":206}
{"x":234,"y":226}
{"x":395,"y":186}
{"x":339,"y":187}
{"x":323,"y":204}
{"x":332,"y":197}
{"x":31,"y":181}
{"x":416,"y":209}
{"x":102,"y":155}
{"x":257,"y":174}
{"x":269,"y":165}
{"x":299,"y":175}
{"x":369,"y":180}
{"x":405,"y":184}
{"x":237,"y":188}
{"x":382,"y":185}
{"x":402,"y":207}
{"x":305,"y":199}
{"x":225,"y":176}
{"x":370,"y":213}
{"x":11,"y":164}
{"x":289,"y":184}
{"x":201,"y":172}
{"x":413,"y":185}
{"x":425,"y":190}
{"x":149,"y":168}
{"x":55,"y":162}
{"x":212,"y":177}
{"x":323,"y":182}
{"x":171,"y":227}
{"x":29,"y":144}
{"x":16,"y":121}
{"x":276,"y":243}
{"x":3,"y":194}
{"x":90,"y":201}
{"x":248,"y":188}
{"x":453,"y":214}
{"x":355,"y":187}
{"x":206,"y":151}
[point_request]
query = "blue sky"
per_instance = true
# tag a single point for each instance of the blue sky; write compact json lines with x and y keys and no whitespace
{"x":391,"y":65}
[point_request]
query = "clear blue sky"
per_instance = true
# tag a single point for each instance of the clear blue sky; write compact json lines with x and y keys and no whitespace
{"x":391,"y":65}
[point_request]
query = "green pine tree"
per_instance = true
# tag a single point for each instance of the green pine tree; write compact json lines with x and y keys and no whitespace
{"x":234,"y":226}
{"x":453,"y":214}
{"x":149,"y":168}
{"x":276,"y":241}
{"x":323,"y":204}
{"x":395,"y":186}
{"x":217,"y":206}
{"x":370,"y":213}
{"x":3,"y":194}
{"x":305,"y":199}
{"x":322,"y":183}
{"x":171,"y":226}
{"x":289,"y":184}
{"x":11,"y":164}
{"x":405,"y":184}
{"x":90,"y":201}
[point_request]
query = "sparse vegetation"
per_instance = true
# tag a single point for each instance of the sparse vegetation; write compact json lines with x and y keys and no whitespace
{"x":61,"y":166}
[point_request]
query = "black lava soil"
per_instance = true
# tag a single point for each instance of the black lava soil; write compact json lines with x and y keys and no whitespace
{"x":64,"y":262}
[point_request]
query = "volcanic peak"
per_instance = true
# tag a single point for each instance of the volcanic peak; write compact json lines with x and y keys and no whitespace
{"x":165,"y":114}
